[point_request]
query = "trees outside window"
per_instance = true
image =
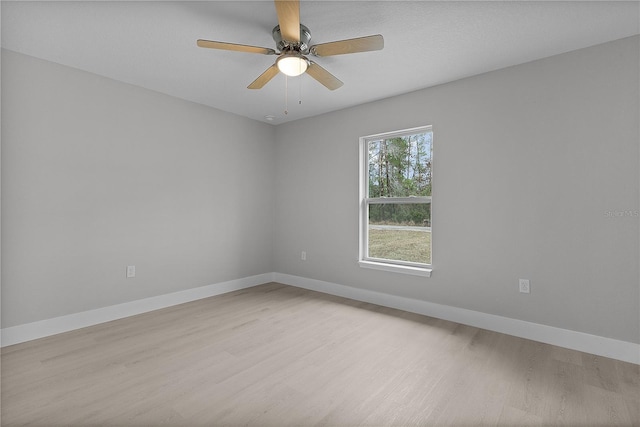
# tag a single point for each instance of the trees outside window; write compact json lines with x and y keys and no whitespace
{"x":395,"y":191}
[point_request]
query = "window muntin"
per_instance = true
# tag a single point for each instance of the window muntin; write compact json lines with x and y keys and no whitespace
{"x":396,"y":185}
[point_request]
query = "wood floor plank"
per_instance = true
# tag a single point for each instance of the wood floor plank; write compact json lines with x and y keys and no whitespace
{"x":275,"y":355}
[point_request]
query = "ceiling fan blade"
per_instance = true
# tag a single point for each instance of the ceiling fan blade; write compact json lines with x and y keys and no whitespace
{"x":327,"y":79}
{"x":341,"y":47}
{"x":235,"y":47}
{"x":264,"y":78}
{"x":289,"y":19}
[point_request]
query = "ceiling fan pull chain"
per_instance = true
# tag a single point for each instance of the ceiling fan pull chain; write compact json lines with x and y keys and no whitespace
{"x":286,"y":97}
{"x":300,"y":91}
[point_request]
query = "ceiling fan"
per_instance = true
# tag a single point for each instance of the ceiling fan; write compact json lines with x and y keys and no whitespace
{"x":292,"y":44}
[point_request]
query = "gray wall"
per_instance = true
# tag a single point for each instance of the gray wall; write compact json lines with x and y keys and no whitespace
{"x":98,"y":175}
{"x":528,"y":160}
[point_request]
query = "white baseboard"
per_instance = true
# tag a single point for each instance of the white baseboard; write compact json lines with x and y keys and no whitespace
{"x":601,"y":346}
{"x":57,"y":325}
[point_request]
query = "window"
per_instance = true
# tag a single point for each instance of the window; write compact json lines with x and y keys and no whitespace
{"x":395,"y":201}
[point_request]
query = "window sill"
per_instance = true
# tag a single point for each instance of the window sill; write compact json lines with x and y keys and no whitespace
{"x":404,"y":269}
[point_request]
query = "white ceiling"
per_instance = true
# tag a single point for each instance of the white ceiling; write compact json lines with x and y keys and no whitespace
{"x":153,"y":44}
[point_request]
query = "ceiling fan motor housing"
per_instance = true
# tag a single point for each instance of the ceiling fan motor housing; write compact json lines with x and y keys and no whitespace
{"x":284,"y":45}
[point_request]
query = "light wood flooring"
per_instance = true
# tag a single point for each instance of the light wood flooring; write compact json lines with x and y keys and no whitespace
{"x":275,"y":355}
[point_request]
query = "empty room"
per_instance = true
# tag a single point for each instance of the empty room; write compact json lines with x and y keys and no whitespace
{"x":320,"y":213}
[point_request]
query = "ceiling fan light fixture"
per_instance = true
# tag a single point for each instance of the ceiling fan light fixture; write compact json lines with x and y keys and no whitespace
{"x":292,"y":64}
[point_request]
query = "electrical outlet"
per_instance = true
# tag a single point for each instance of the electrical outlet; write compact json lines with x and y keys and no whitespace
{"x":303,"y":255}
{"x":131,"y":271}
{"x":524,"y":286}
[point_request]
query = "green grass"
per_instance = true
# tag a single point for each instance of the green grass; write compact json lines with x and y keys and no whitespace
{"x":401,"y":245}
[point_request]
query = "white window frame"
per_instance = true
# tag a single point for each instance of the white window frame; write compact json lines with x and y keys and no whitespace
{"x":406,"y":267}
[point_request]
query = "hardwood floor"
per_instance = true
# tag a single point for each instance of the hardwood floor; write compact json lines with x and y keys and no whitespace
{"x":275,"y":355}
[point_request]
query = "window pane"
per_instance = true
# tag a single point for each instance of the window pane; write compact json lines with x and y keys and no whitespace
{"x":400,"y":232}
{"x":400,"y":167}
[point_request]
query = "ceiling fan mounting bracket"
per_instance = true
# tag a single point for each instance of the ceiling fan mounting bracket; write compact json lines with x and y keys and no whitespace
{"x":284,"y":45}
